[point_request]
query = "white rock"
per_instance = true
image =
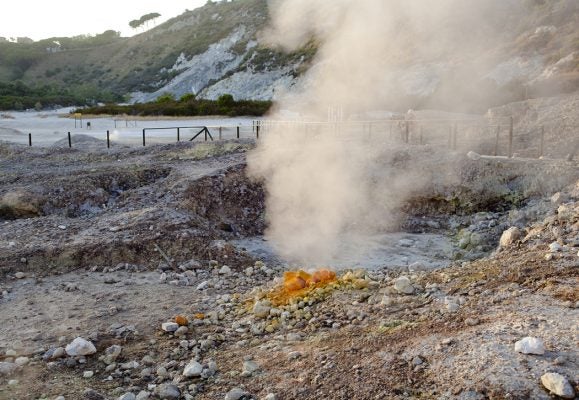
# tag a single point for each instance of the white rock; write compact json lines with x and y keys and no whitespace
{"x":62,"y":227}
{"x":403,"y":285}
{"x":193,"y":369}
{"x":510,"y":236}
{"x":225,"y":270}
{"x":80,"y":347}
{"x":530,"y":345}
{"x":203,"y":285}
{"x":20,"y":275}
{"x":128,"y":396}
{"x":169,"y":326}
{"x":21,"y":361}
{"x":564,"y":213}
{"x":557,"y":198}
{"x":88,"y":374}
{"x":261,"y":309}
{"x":59,"y":398}
{"x":558,"y":384}
{"x":249,"y":271}
{"x":13,"y":382}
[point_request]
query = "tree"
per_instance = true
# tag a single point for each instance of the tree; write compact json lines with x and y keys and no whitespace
{"x":135,"y":23}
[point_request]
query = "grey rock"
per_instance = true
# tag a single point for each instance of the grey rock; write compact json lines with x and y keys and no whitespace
{"x":128,"y":396}
{"x":193,"y":369}
{"x":261,"y":309}
{"x":167,"y":391}
{"x":249,"y":368}
{"x":510,"y":236}
{"x":235,"y":394}
{"x":111,"y":354}
{"x":403,"y":285}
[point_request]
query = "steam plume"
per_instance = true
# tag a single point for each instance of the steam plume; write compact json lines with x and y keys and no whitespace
{"x":323,"y":187}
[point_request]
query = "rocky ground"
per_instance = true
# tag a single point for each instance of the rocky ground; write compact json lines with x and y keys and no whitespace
{"x":131,"y":251}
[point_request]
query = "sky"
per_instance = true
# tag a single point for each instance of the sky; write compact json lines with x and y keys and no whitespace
{"x":41,"y":19}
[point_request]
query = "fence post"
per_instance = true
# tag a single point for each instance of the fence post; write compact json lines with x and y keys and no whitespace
{"x":497,"y":140}
{"x":30,"y":139}
{"x":108,"y":140}
{"x":238,"y":131}
{"x":257,"y":132}
{"x":178,"y":134}
{"x":205,"y":131}
{"x":542,"y":147}
{"x":511,"y":132}
{"x":69,"y":140}
{"x":220,"y":132}
{"x":144,"y":137}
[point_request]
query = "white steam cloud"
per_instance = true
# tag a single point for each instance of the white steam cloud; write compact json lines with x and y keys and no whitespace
{"x":324,"y":186}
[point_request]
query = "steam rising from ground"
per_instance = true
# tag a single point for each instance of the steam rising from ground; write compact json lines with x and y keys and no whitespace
{"x":326,"y":188}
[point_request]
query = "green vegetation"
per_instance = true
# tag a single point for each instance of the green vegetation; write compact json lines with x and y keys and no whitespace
{"x":188,"y":105}
{"x":18,"y":96}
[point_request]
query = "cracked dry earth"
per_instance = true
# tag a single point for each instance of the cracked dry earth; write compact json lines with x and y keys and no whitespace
{"x":143,"y":250}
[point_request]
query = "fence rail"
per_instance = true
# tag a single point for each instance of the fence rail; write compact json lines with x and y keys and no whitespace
{"x":497,"y":137}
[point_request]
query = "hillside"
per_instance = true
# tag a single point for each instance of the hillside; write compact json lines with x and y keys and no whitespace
{"x":526,"y":49}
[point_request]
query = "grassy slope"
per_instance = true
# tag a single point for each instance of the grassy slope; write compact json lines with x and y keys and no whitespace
{"x":141,"y":62}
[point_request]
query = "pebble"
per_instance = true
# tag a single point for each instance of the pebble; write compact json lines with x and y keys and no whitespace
{"x":270,"y":396}
{"x":80,"y":347}
{"x":20,"y":275}
{"x":530,"y":345}
{"x":193,"y":369}
{"x":558,"y":384}
{"x":203,"y":285}
{"x":13,"y":382}
{"x":235,"y":394}
{"x":62,"y":227}
{"x":170,"y":326}
{"x":88,"y":374}
{"x":22,"y":361}
{"x":128,"y":396}
{"x":403,"y":285}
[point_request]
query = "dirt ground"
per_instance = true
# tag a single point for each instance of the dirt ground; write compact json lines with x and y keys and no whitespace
{"x":108,"y":245}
